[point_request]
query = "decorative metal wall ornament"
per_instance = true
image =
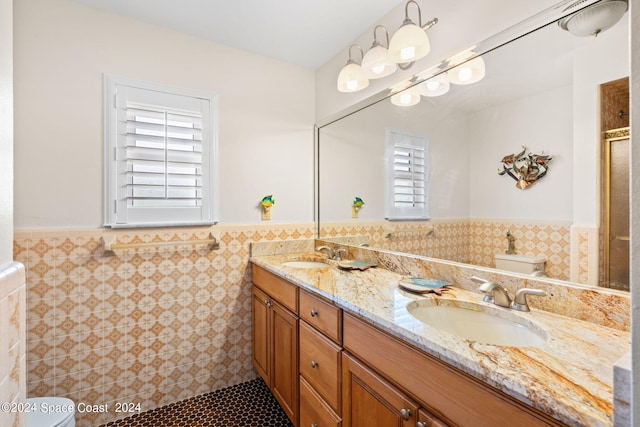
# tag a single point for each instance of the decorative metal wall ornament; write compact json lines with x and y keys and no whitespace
{"x":524,"y":168}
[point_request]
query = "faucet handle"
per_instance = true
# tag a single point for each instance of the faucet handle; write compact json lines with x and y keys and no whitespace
{"x":339,"y":253}
{"x":520,"y":301}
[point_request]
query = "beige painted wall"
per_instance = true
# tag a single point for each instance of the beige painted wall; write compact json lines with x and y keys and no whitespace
{"x":62,"y":50}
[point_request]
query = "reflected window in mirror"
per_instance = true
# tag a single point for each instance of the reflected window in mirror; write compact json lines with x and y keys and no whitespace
{"x":407,"y":171}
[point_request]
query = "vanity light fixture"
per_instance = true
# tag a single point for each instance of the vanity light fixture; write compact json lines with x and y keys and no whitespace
{"x":594,"y":19}
{"x":376,"y":63}
{"x":406,"y":98}
{"x":435,"y":86}
{"x":407,"y":45}
{"x":468,"y":72}
{"x":351,"y":78}
{"x":410,"y":42}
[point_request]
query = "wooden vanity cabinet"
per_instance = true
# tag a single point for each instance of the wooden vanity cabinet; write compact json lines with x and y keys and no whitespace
{"x":275,"y":338}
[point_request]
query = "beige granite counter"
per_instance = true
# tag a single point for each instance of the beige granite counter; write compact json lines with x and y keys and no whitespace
{"x":569,"y":377}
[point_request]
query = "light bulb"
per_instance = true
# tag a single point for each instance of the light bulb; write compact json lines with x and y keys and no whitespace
{"x":464,"y":74}
{"x":433,"y":85}
{"x":378,"y":69}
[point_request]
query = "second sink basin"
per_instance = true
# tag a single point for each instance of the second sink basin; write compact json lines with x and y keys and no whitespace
{"x":305,"y":264}
{"x":478,"y":322}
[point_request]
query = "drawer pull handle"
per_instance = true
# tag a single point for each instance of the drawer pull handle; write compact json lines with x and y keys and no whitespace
{"x":421,"y":424}
{"x":405,"y":414}
{"x":314,"y":425}
{"x":314,"y":313}
{"x":314,"y":364}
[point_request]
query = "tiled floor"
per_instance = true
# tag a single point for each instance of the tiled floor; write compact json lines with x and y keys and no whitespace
{"x":243,"y":405}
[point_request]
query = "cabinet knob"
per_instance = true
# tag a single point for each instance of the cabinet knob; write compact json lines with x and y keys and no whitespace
{"x":314,"y":425}
{"x":314,"y":364}
{"x":314,"y":313}
{"x":405,"y":414}
{"x":421,"y":424}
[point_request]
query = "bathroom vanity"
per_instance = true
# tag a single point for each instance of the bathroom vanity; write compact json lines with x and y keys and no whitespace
{"x":351,"y":353}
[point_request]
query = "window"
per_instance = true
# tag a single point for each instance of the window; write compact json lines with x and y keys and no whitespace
{"x":407,"y":171}
{"x":160,"y":155}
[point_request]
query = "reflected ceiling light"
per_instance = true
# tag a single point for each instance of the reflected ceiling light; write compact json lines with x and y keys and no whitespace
{"x":594,"y":19}
{"x":376,"y":63}
{"x":410,"y":42}
{"x":468,"y":72}
{"x":435,"y":86}
{"x":406,"y":98}
{"x":351,"y":78}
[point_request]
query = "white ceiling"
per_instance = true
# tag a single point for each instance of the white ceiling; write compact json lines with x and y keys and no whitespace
{"x":303,"y":32}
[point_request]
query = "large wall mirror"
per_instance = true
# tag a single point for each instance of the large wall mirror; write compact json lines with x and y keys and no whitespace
{"x":548,"y":93}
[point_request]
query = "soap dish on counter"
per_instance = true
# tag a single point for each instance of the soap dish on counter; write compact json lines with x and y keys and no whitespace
{"x":422,"y":285}
{"x":354,"y":264}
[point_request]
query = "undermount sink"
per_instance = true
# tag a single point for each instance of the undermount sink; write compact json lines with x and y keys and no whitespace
{"x":305,"y":264}
{"x":479,"y":323}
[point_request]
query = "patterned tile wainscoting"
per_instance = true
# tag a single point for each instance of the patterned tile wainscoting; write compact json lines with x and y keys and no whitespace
{"x":12,"y":341}
{"x":149,"y":325}
{"x":469,"y":240}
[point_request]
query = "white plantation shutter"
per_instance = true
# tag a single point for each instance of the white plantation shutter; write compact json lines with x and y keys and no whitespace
{"x":407,"y":171}
{"x":161,"y":155}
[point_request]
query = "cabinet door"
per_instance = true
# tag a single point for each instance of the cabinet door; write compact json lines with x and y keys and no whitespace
{"x":369,"y":401}
{"x":284,"y":360}
{"x":260,"y":334}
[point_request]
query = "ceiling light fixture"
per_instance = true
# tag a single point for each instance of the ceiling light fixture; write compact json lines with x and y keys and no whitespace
{"x":594,"y":19}
{"x":351,"y":78}
{"x":376,"y":63}
{"x":410,"y":42}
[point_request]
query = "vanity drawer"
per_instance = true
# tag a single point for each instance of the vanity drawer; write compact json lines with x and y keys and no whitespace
{"x":320,"y":364}
{"x":321,"y":315}
{"x":284,"y":292}
{"x":314,"y":410}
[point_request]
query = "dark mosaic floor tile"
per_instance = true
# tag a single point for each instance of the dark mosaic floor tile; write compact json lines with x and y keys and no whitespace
{"x":244,"y":405}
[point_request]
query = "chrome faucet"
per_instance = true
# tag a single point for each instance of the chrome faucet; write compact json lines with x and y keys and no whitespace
{"x":330,"y":253}
{"x":495,"y":293}
{"x":520,"y":301}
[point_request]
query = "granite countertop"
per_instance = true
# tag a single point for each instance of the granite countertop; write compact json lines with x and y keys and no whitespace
{"x":569,"y":377}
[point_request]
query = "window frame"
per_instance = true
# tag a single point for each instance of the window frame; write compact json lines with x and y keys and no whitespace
{"x":392,"y":212}
{"x":168,"y":215}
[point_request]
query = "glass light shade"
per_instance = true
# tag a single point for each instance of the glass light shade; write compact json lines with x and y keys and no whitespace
{"x":376,"y":63}
{"x":467,"y":73}
{"x":406,"y":98}
{"x":408,"y":44}
{"x":435,"y":86}
{"x":351,"y":78}
{"x":594,"y":19}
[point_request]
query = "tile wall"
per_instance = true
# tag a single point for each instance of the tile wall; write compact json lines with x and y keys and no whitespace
{"x":12,"y":342}
{"x":473,"y":241}
{"x":149,"y":325}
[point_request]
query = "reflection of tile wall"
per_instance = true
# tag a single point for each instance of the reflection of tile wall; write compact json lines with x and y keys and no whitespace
{"x":449,"y":239}
{"x":12,"y":342}
{"x":473,"y":241}
{"x":551,"y":240}
{"x":146,"y":325}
